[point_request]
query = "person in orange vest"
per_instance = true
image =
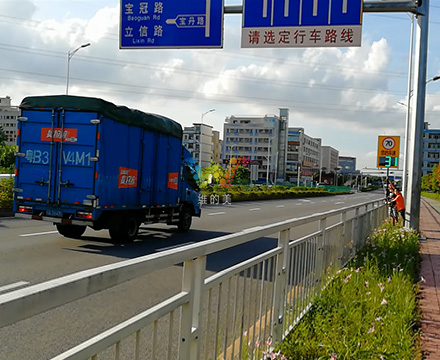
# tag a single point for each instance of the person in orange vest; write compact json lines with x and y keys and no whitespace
{"x":398,"y":201}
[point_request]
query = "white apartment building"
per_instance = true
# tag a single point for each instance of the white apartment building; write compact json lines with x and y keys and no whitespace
{"x":260,"y":139}
{"x":8,"y":119}
{"x":330,"y":159}
{"x":198,"y":139}
{"x":303,"y":156}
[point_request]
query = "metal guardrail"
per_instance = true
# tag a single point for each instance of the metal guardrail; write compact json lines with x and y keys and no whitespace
{"x":229,"y":315}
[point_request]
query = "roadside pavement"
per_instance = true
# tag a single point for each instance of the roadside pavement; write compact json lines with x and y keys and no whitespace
{"x":430,"y":278}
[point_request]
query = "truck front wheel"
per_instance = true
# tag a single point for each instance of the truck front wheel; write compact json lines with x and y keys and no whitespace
{"x":126,"y":231}
{"x":71,"y":231}
{"x":185,"y":219}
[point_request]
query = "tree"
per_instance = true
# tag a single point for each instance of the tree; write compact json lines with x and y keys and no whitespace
{"x":426,"y":182}
{"x":3,"y":137}
{"x":242,"y":176}
{"x":435,"y":178}
{"x":213,"y":174}
{"x":431,"y":182}
{"x":7,"y":155}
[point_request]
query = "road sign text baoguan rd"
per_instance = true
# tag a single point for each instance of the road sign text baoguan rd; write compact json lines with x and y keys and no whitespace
{"x":171,"y":24}
{"x":388,"y":148}
{"x":301,"y":23}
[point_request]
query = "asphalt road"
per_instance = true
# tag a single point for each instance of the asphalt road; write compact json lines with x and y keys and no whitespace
{"x":32,"y":252}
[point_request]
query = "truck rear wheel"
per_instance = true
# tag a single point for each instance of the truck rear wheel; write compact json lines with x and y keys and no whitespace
{"x":126,"y":231}
{"x":185,"y":219}
{"x":71,"y":231}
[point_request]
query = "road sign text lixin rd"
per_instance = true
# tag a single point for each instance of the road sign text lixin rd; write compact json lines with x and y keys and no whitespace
{"x":388,"y":148}
{"x":301,"y":23}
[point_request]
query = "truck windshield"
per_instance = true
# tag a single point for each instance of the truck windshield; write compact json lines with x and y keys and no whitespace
{"x":190,"y":179}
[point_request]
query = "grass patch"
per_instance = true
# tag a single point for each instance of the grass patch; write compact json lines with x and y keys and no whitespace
{"x":431,"y":195}
{"x":369,"y":310}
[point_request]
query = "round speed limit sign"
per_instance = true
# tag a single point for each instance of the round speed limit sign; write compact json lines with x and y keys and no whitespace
{"x":388,"y":143}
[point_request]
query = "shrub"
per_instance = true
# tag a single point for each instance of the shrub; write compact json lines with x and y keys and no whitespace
{"x":6,"y":186}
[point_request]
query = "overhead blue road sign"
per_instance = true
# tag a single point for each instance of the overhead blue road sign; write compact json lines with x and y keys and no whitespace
{"x":302,"y":23}
{"x":171,"y":24}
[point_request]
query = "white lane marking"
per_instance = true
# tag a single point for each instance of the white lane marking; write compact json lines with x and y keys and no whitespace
{"x":41,"y":233}
{"x":217,"y":213}
{"x":13,"y":286}
{"x":324,"y":201}
{"x":174,"y":246}
{"x":254,"y":209}
{"x":305,"y":200}
{"x":298,"y":204}
{"x":339,"y":202}
{"x":280,"y":206}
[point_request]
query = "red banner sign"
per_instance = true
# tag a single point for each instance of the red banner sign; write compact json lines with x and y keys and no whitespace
{"x":68,"y":135}
{"x":173,"y":180}
{"x":127,"y":178}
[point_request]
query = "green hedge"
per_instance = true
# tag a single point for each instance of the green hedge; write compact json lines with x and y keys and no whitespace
{"x":243,"y":192}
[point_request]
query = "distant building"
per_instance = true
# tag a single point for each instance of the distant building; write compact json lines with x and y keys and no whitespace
{"x":330,"y":164}
{"x":198,"y":139}
{"x":330,"y":159}
{"x":216,"y":147}
{"x":431,"y":149}
{"x":347,"y":165}
{"x":261,"y":139}
{"x":303,"y":156}
{"x":8,"y":119}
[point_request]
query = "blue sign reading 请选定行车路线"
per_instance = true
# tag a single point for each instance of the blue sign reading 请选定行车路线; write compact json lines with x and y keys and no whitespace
{"x":171,"y":24}
{"x":302,"y":23}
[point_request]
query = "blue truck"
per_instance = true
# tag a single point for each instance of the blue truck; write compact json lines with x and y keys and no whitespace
{"x":83,"y":161}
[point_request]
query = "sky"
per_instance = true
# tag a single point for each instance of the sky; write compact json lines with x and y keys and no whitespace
{"x":345,"y":96}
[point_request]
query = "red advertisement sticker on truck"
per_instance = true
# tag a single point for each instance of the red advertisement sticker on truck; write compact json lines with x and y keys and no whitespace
{"x":68,"y":135}
{"x":127,"y":178}
{"x":173,"y":179}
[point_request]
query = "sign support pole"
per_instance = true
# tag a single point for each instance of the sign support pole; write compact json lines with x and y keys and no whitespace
{"x":387,"y":191}
{"x":415,"y":150}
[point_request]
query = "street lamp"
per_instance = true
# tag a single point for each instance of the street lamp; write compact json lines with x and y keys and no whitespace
{"x":69,"y":56}
{"x":200,"y":139}
{"x":435,"y":78}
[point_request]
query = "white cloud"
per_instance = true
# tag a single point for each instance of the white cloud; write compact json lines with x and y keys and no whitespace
{"x":102,"y":24}
{"x":345,"y":96}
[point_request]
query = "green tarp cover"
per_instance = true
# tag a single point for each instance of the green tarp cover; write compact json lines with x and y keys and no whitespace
{"x":122,"y":114}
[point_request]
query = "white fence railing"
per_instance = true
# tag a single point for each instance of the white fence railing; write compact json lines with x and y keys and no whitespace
{"x":229,"y":315}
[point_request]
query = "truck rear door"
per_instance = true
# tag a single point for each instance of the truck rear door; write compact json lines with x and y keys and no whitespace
{"x":57,"y":149}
